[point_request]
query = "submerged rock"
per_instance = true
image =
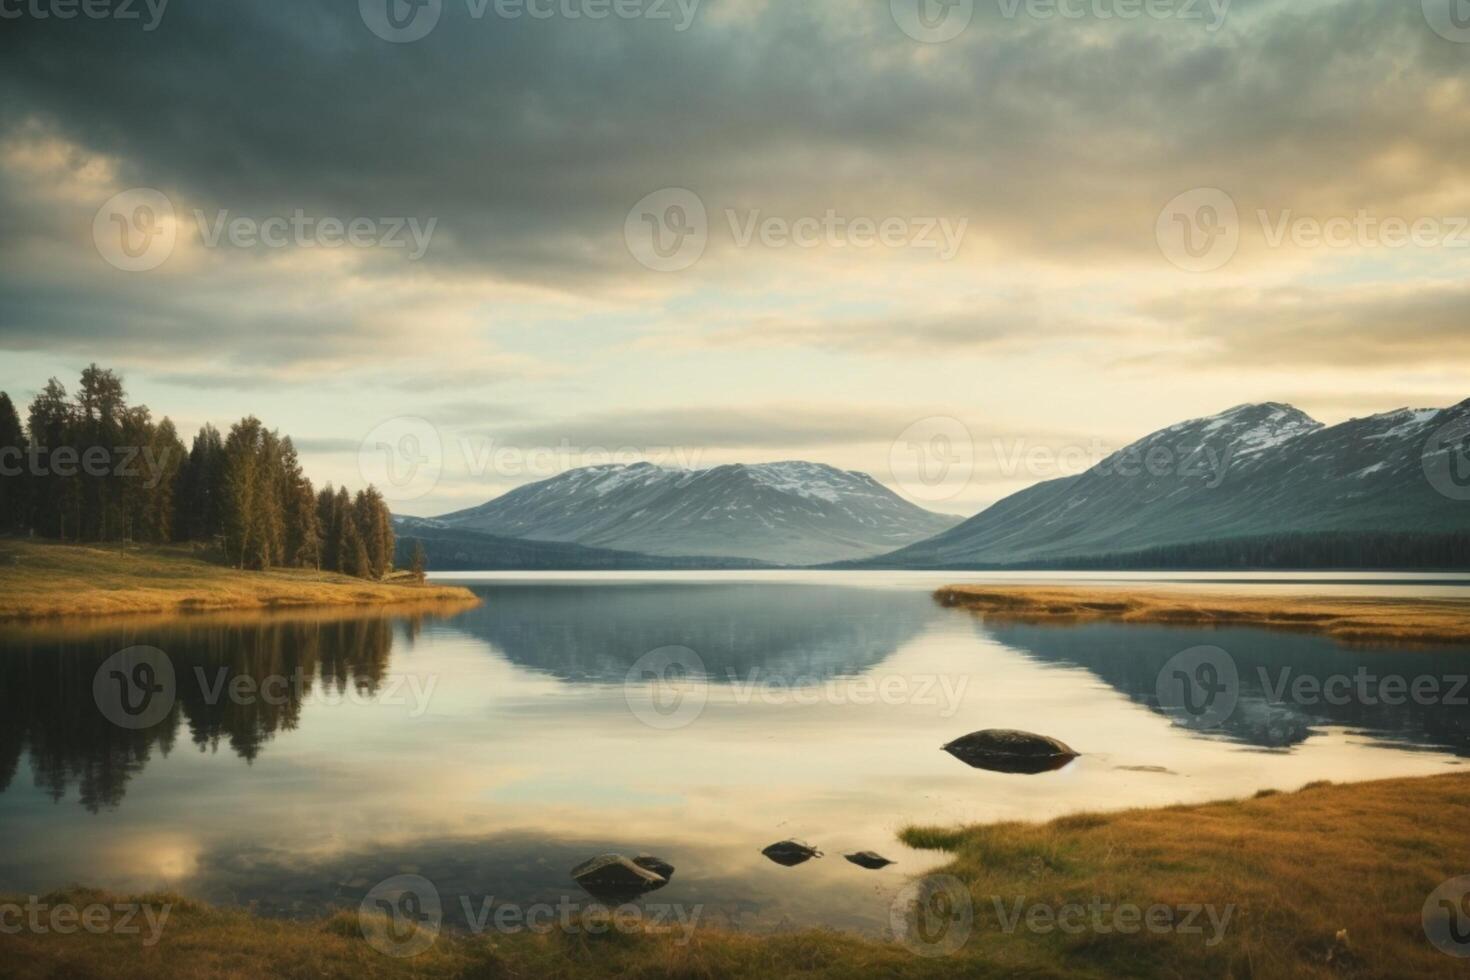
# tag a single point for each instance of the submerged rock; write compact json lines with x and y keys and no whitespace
{"x":790,"y":853}
{"x":868,"y":859}
{"x":614,"y":878}
{"x":658,"y":866}
{"x":1003,"y":750}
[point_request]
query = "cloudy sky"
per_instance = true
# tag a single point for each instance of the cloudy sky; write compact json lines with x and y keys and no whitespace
{"x":512,"y":236}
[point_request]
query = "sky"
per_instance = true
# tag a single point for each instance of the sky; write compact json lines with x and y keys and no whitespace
{"x":962,"y":245}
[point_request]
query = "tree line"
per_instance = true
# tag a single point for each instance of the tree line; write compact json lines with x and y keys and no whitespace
{"x":89,"y":467}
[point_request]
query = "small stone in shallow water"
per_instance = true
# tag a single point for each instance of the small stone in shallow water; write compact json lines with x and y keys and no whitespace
{"x":614,"y":878}
{"x":868,"y":859}
{"x":1005,"y":750}
{"x":790,"y":853}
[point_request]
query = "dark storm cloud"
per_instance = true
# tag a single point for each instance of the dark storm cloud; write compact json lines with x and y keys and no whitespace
{"x":530,"y":139}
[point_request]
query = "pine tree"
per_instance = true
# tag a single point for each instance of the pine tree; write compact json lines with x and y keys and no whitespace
{"x":355,"y":560}
{"x":344,"y":527}
{"x":201,"y":488}
{"x":15,"y":476}
{"x":54,"y":497}
{"x":244,"y":483}
{"x":329,"y":530}
{"x":420,"y":562}
{"x":375,"y":527}
{"x":102,"y":427}
{"x":162,"y":465}
{"x":299,"y":505}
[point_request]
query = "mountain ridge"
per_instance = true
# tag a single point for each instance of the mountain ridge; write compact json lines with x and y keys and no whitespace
{"x":1252,"y":471}
{"x":792,"y":512}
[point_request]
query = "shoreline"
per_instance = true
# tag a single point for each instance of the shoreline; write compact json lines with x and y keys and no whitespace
{"x":47,"y":582}
{"x":1282,"y":899}
{"x":1351,"y":620}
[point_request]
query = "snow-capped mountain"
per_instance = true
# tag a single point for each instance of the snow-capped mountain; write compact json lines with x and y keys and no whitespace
{"x":788,"y":513}
{"x":1255,"y":470}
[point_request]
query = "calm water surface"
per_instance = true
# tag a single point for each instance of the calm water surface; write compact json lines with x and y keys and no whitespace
{"x":492,"y":749}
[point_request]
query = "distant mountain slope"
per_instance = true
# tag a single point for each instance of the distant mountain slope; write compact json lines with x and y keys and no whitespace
{"x":454,"y":549}
{"x":789,"y":513}
{"x":1253,"y":471}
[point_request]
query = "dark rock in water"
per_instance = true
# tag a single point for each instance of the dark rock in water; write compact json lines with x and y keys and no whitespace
{"x":790,"y":853}
{"x":658,"y":866}
{"x":614,"y":878}
{"x":1002,"y":750}
{"x":869,"y":860}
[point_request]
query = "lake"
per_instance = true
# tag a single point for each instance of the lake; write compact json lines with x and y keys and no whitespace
{"x":297,"y":760}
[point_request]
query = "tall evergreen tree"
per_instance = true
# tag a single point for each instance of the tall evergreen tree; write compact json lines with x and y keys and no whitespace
{"x":201,"y":488}
{"x":329,"y":529}
{"x":375,"y":527}
{"x":54,"y":496}
{"x":161,"y":469}
{"x":244,"y":484}
{"x":303,"y":545}
{"x":15,"y":476}
{"x":354,"y":555}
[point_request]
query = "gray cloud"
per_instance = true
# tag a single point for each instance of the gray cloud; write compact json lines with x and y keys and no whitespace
{"x":1355,"y":327}
{"x":529,"y":140}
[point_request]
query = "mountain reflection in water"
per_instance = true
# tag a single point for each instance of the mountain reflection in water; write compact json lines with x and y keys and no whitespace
{"x":525,"y":754}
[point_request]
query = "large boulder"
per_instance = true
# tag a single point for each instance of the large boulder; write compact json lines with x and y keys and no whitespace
{"x":1004,"y":750}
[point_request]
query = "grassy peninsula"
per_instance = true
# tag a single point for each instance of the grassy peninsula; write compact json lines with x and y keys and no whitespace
{"x":1328,"y":881}
{"x":1350,"y":619}
{"x":46,"y":579}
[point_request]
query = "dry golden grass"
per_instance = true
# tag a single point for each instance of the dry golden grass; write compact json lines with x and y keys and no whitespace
{"x":1350,"y":619}
{"x":47,"y":579}
{"x":1293,"y":868}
